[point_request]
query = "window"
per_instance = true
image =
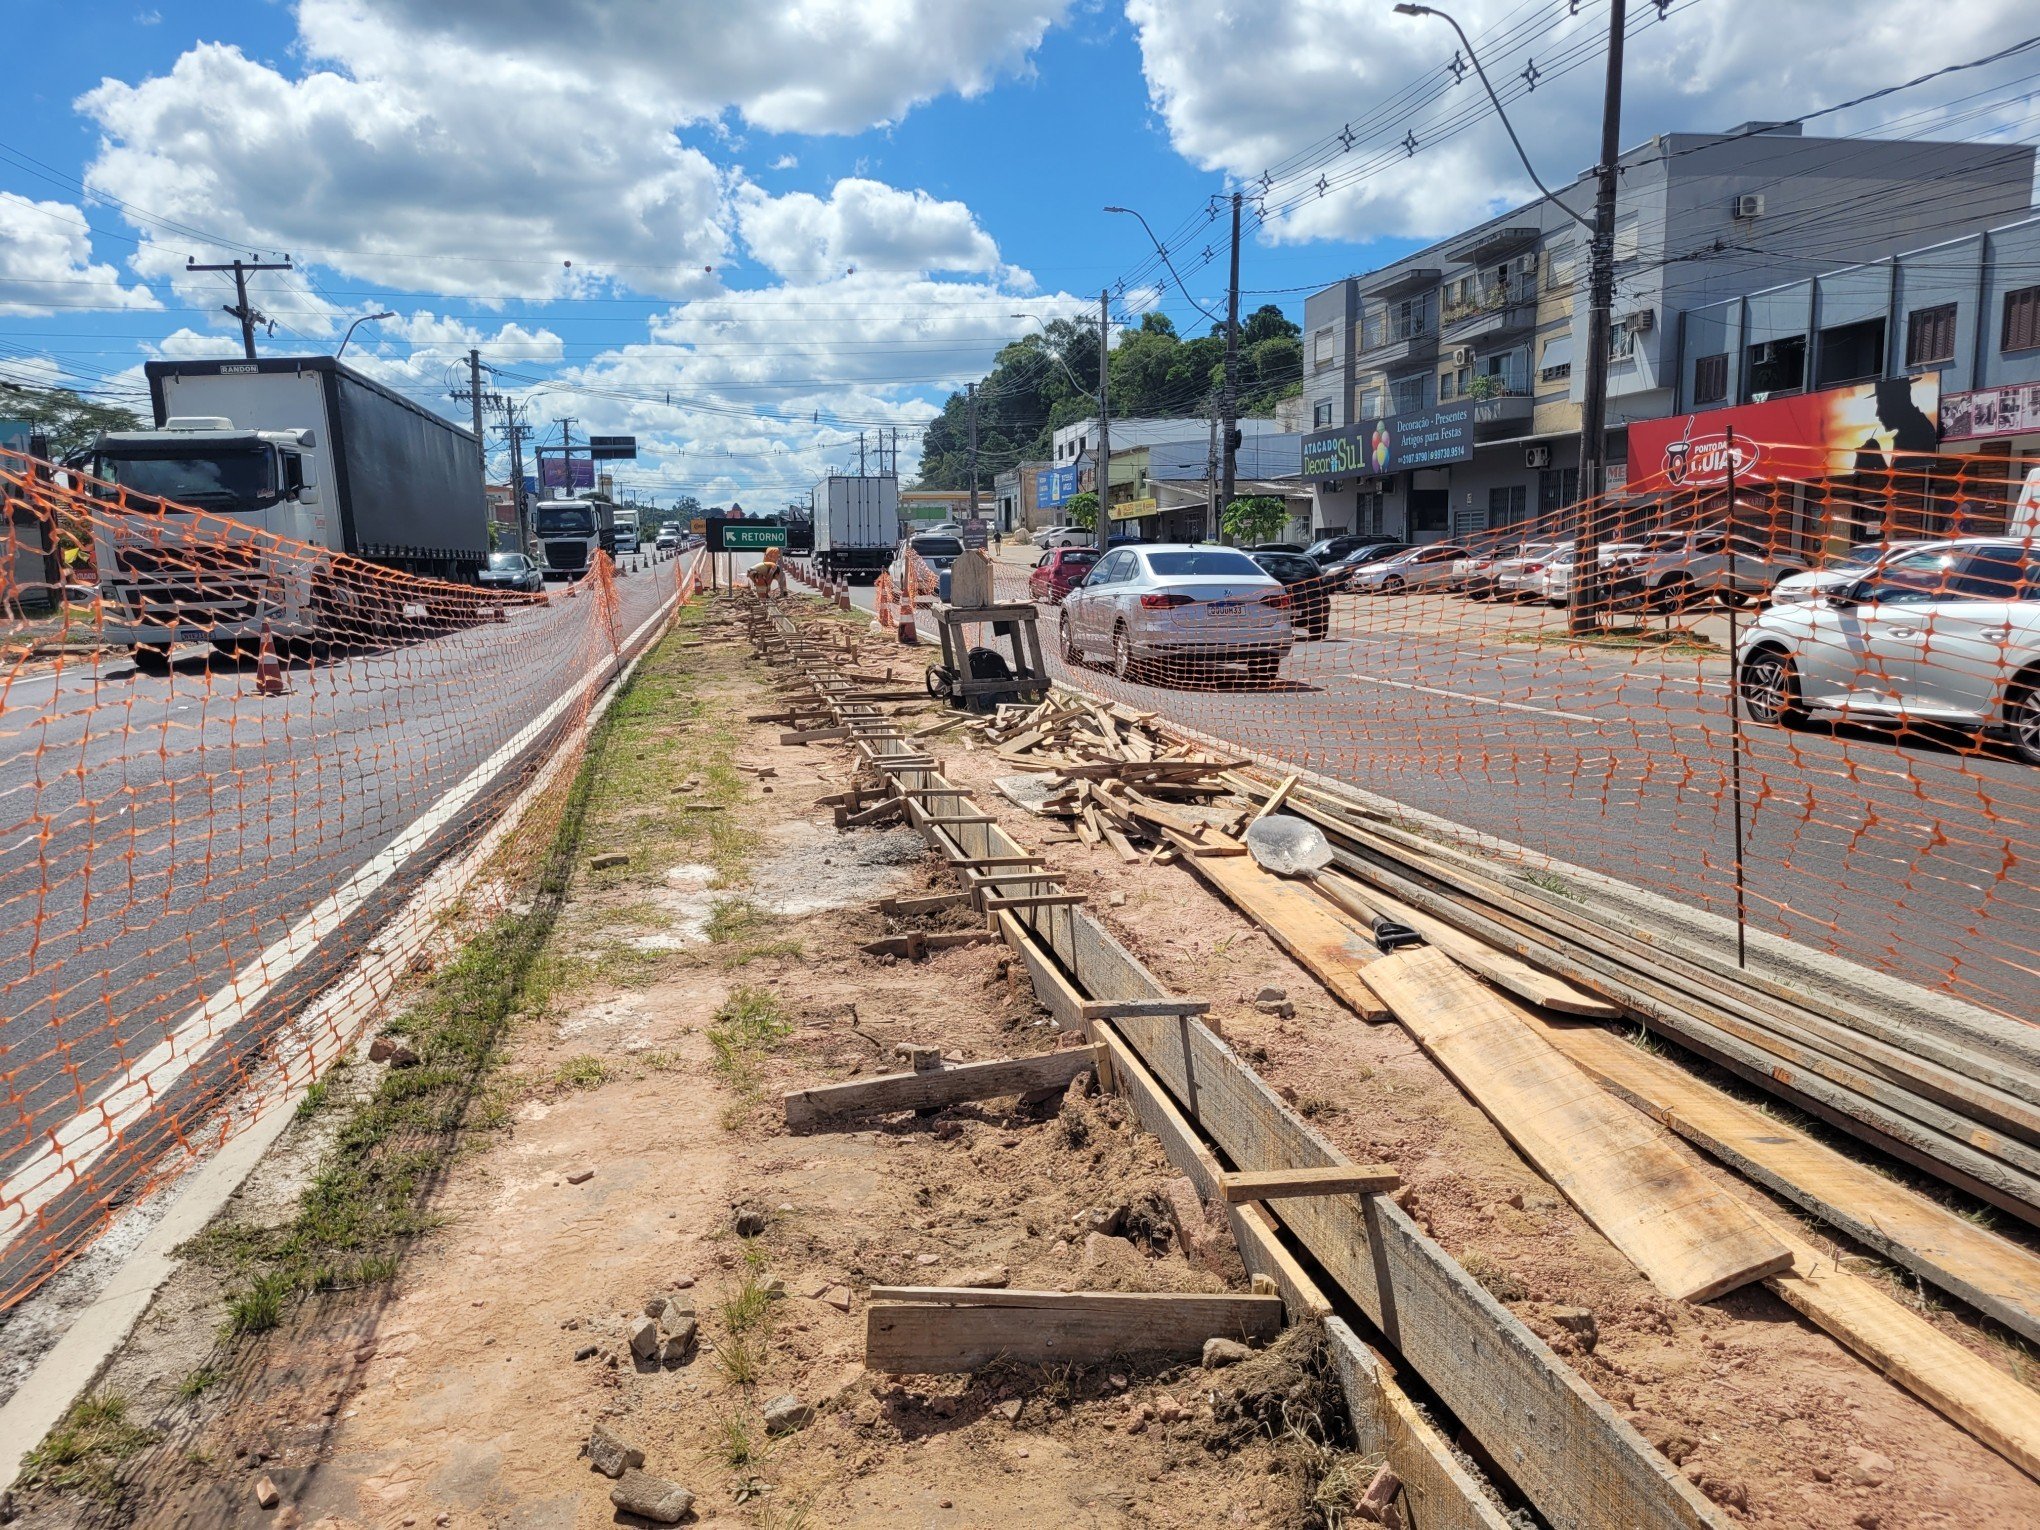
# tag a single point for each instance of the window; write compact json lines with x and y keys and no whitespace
{"x":1625,"y":240}
{"x":1113,"y":567}
{"x":1321,"y":414}
{"x":1850,"y":353}
{"x":1409,"y":318}
{"x":1373,"y":327}
{"x":1453,"y":384}
{"x":1710,"y":378}
{"x":2001,"y":571}
{"x":1507,"y":504}
{"x":1373,"y":404}
{"x":1621,"y":343}
{"x":1508,"y":369}
{"x":1557,"y":488}
{"x":1367,"y":512}
{"x":1778,"y":366}
{"x":1408,"y":395}
{"x":1930,"y":335}
{"x":1558,"y":267}
{"x":1557,"y":364}
{"x":1321,"y":347}
{"x":1911,"y":579}
{"x":2022,"y":320}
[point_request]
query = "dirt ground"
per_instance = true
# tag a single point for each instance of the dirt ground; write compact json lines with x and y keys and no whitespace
{"x":1771,"y":1418}
{"x":631,"y":1122}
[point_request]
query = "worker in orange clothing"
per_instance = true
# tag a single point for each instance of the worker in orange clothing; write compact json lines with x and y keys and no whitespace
{"x":766,"y":573}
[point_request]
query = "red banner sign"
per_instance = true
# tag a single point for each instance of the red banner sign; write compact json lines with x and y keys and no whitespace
{"x":1798,"y":439}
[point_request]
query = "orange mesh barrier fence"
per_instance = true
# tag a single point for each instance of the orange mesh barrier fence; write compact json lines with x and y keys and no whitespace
{"x":1814,"y":700}
{"x":238,"y":774}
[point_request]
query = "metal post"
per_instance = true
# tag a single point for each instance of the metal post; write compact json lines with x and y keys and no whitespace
{"x":1104,"y":472}
{"x":1735,"y":731}
{"x":1229,"y":401}
{"x":1589,"y":598}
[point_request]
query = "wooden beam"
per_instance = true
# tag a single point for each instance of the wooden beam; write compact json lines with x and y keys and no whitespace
{"x":1275,"y":798}
{"x":910,"y":906}
{"x":813,"y":735}
{"x":884,"y":812}
{"x":996,"y":860}
{"x":923,"y":1330}
{"x":938,"y":1087}
{"x":1111,"y":1009}
{"x":1693,"y":1238}
{"x":1284,"y":1184}
{"x":1035,"y":900}
{"x":1992,"y":1274}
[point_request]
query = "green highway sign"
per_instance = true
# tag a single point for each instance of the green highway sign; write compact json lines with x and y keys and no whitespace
{"x":752,"y":538}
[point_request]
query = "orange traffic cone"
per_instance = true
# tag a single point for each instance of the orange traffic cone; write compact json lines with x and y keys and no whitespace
{"x":268,"y":668}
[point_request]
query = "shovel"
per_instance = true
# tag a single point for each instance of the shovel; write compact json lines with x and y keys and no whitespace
{"x":1289,"y":847}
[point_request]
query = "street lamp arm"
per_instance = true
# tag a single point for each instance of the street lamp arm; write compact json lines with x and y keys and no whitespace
{"x":1163,"y":251}
{"x":1551,"y":196}
{"x":364,"y":319}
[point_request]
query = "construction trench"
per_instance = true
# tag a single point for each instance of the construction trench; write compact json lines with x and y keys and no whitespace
{"x":1476,"y":1416}
{"x":944,"y":1120}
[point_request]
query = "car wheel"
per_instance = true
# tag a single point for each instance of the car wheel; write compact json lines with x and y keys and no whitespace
{"x":1671,"y":593}
{"x":1770,"y":689}
{"x":152,"y":658}
{"x":1124,"y":665}
{"x":2022,"y":719}
{"x":1072,"y":655}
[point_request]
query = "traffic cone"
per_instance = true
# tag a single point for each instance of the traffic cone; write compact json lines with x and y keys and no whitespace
{"x":268,"y":668}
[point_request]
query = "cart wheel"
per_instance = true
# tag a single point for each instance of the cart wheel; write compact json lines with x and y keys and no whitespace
{"x":938,"y":681}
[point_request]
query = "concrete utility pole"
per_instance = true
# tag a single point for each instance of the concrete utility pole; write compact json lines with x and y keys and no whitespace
{"x":860,"y":454}
{"x":1229,"y":401}
{"x":970,"y":393}
{"x":1103,"y":475}
{"x":475,"y":398}
{"x":1211,"y":480}
{"x":896,"y":451}
{"x":248,"y":316}
{"x":1589,"y":603}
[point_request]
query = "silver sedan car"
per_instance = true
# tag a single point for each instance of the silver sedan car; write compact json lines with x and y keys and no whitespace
{"x":1177,"y":604}
{"x":1945,"y":634}
{"x":1430,"y":567}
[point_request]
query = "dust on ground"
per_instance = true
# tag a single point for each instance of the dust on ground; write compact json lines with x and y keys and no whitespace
{"x":636,"y":1123}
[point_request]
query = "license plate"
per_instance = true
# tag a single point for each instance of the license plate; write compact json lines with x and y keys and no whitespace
{"x":1227,"y":605}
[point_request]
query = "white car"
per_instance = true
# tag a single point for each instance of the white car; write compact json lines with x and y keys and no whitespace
{"x":1429,"y":567}
{"x":1847,"y":569}
{"x":1175,"y":603}
{"x":1520,"y":573}
{"x":1679,"y":568}
{"x":1946,"y":634}
{"x":1066,"y":536}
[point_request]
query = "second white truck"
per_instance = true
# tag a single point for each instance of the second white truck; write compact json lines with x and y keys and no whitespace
{"x":857,"y":526}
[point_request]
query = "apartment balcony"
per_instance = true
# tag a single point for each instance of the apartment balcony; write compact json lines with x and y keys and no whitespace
{"x":1496,"y":310}
{"x":1398,"y":342}
{"x":1502,"y":414}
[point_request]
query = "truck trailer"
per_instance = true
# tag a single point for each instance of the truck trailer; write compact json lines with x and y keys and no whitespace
{"x":856,"y":525}
{"x":289,"y":458}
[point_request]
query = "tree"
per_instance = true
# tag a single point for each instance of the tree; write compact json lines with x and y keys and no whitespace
{"x":1082,"y":510}
{"x":68,"y":419}
{"x":1255,"y":518}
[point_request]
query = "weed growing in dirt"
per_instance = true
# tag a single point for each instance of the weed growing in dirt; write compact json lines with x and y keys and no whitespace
{"x":740,"y":931}
{"x":84,"y":1453}
{"x":1500,"y":1281}
{"x":1315,"y":1107}
{"x":1550,"y":882}
{"x":582,"y":1072}
{"x":196,"y":1383}
{"x":749,"y":1024}
{"x":314,"y":1100}
{"x":736,"y":1448}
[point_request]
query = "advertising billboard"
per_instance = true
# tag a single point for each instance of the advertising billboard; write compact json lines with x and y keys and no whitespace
{"x":1857,"y":429}
{"x":1055,"y":486}
{"x":2009,"y":411}
{"x":567,"y":473}
{"x":1375,"y":448}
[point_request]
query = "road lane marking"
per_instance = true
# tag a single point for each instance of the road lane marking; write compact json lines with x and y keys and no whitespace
{"x":1491,"y":701}
{"x":77,"y":1145}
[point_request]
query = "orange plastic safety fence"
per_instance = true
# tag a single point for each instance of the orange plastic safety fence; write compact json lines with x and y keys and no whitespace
{"x":1861,"y":649}
{"x":226,"y":759}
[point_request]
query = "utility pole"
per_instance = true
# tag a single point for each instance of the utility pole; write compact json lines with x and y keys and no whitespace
{"x":1229,"y":401}
{"x":970,"y":393}
{"x":860,"y":454}
{"x":1589,"y":602}
{"x":249,"y":317}
{"x":1104,"y":471}
{"x":517,"y":430}
{"x":475,"y":398}
{"x":1211,"y":480}
{"x":896,"y":451}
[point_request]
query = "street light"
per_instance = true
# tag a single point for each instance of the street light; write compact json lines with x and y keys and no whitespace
{"x":365,"y":318}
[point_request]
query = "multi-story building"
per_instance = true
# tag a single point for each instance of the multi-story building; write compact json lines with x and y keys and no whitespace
{"x":1444,"y":390}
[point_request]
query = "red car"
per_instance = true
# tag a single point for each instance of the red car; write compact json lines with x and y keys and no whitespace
{"x":1060,"y":570}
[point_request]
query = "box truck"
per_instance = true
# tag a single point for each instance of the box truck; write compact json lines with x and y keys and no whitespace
{"x":570,"y":533}
{"x":289,"y":458}
{"x":856,"y":525}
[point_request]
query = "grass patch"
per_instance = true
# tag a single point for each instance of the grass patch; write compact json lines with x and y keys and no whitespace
{"x":84,"y":1453}
{"x":583,"y":1072}
{"x":1550,"y":882}
{"x":741,"y":932}
{"x":737,"y":1446}
{"x":745,"y":1029}
{"x":1632,"y":640}
{"x":315,"y":1100}
{"x":197,"y":1383}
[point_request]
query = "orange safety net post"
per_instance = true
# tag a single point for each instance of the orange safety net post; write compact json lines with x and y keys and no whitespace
{"x":227,"y":760}
{"x":1809,"y":701}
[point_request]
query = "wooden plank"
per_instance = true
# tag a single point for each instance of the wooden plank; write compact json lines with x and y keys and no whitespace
{"x":1275,"y":798}
{"x":939,"y":1331}
{"x":910,"y":906}
{"x":1691,"y":1237}
{"x":1050,"y":986}
{"x":937,"y":1087}
{"x":1284,"y":1184}
{"x":996,"y":860}
{"x":1035,"y":900}
{"x":1957,"y":1383}
{"x":1329,"y":947}
{"x":1499,"y":967}
{"x":884,"y":812}
{"x":813,"y":735}
{"x":1992,"y":1274}
{"x":1112,"y":1009}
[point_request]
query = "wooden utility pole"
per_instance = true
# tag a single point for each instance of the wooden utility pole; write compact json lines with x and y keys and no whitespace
{"x":248,"y":317}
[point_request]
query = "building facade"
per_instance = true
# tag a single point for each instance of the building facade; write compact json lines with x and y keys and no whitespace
{"x":1443,"y":390}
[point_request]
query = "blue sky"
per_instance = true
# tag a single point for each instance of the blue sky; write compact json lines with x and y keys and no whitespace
{"x":794,"y":235}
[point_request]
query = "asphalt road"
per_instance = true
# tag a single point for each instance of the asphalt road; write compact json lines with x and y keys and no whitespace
{"x":158,"y":833}
{"x":1915,"y":856}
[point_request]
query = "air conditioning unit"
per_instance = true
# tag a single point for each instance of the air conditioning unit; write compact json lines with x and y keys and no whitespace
{"x":1750,"y":205}
{"x":1462,"y":356}
{"x":1640,"y":322}
{"x":1537,"y":456}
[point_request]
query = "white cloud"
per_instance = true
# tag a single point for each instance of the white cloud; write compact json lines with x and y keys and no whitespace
{"x":786,"y":162}
{"x":787,"y":65}
{"x":46,"y":262}
{"x":1241,"y":90}
{"x":864,"y":224}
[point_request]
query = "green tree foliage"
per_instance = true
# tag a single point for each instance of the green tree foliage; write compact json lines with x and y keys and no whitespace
{"x":1082,"y":510}
{"x":69,"y":419}
{"x":1254,"y":519}
{"x":1047,"y":380}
